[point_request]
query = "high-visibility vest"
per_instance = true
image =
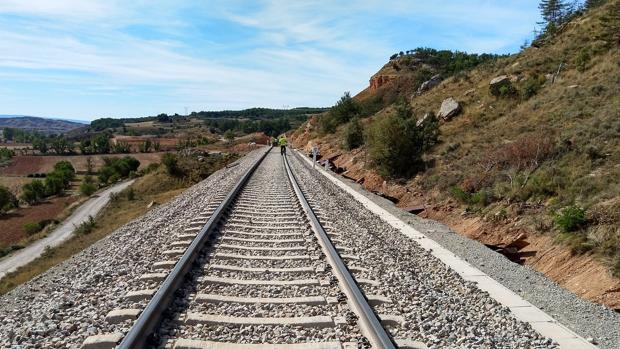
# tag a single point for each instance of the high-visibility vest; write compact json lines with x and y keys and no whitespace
{"x":282,"y":141}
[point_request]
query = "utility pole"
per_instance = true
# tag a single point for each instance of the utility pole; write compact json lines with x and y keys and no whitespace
{"x":186,"y":111}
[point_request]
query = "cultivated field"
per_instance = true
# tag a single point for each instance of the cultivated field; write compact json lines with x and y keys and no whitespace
{"x":27,"y":164}
{"x":13,"y":223}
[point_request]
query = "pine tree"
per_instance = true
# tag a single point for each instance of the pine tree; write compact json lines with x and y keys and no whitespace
{"x":553,"y":11}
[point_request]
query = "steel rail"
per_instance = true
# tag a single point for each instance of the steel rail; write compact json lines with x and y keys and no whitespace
{"x":368,"y":320}
{"x":150,"y":318}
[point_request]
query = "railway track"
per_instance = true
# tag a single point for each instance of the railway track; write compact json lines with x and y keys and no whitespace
{"x":257,"y":271}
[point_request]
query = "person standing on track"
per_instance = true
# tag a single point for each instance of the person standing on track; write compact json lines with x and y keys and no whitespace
{"x":282,"y":144}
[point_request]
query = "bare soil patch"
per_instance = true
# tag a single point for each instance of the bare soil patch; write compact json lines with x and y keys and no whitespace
{"x":12,"y":223}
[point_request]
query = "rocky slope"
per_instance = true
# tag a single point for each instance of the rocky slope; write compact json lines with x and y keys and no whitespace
{"x":531,"y":134}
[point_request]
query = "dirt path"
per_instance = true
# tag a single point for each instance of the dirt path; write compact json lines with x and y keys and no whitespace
{"x":63,"y":232}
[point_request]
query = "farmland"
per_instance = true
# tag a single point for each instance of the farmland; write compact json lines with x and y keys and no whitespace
{"x":23,"y":165}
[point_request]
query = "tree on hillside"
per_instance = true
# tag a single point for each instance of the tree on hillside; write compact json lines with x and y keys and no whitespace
{"x":553,"y":11}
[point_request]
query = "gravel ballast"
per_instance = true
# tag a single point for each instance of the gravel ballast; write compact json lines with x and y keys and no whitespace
{"x":68,"y":303}
{"x":590,"y":320}
{"x":268,"y":182}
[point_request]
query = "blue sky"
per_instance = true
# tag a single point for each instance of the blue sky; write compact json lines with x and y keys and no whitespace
{"x":85,"y":59}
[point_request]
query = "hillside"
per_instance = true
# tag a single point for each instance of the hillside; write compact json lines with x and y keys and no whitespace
{"x":40,"y":125}
{"x":529,"y":165}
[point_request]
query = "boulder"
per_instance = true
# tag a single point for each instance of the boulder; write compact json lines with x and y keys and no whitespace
{"x":449,"y":109}
{"x":429,"y":84}
{"x":497,"y":83}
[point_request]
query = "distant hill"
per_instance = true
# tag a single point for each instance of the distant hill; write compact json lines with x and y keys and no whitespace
{"x":42,"y":125}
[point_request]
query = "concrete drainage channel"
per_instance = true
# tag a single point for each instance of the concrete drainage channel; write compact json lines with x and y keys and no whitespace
{"x":256,"y":271}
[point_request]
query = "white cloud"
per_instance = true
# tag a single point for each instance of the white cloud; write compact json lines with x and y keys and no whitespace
{"x":300,"y":53}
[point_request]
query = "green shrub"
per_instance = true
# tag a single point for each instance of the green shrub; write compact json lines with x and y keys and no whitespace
{"x":86,"y":227}
{"x":481,"y":198}
{"x":32,"y":228}
{"x":461,"y":195}
{"x":171,"y":162}
{"x":35,"y":227}
{"x":115,"y":169}
{"x":582,"y":59}
{"x":229,"y":135}
{"x":429,"y":128}
{"x":503,"y":89}
{"x":506,"y":91}
{"x":571,"y":218}
{"x":532,"y":86}
{"x":54,"y":184}
{"x":7,"y":200}
{"x":345,"y":109}
{"x":88,"y":187}
{"x":33,"y":192}
{"x":65,"y":168}
{"x":131,"y":194}
{"x":6,"y":154}
{"x":395,"y":144}
{"x":353,"y":134}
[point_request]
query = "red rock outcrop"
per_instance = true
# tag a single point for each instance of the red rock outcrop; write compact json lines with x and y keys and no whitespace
{"x":376,"y":81}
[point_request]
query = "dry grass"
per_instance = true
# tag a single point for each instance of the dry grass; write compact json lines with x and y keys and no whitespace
{"x":14,"y":183}
{"x":155,"y":186}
